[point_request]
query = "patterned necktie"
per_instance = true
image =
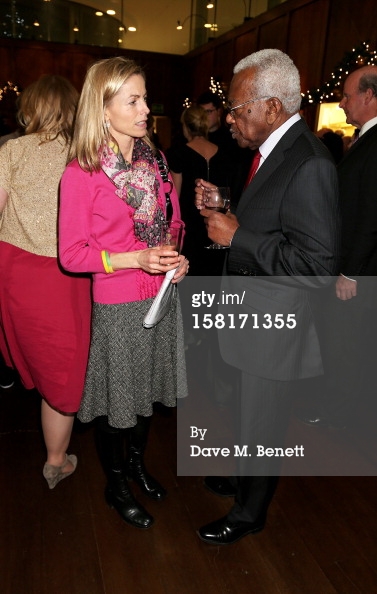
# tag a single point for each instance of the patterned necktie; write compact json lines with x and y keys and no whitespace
{"x":254,"y":167}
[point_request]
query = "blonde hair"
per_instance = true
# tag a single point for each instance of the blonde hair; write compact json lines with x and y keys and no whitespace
{"x":47,"y":107}
{"x":102,"y":82}
{"x":196,"y":121}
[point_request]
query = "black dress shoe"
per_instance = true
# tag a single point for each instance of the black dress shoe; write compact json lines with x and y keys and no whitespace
{"x":223,"y":531}
{"x":321,"y":421}
{"x":220,"y":485}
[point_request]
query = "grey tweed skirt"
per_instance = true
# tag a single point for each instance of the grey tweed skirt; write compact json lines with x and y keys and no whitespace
{"x":131,"y":367}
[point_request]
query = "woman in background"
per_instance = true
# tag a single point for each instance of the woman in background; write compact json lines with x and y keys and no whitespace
{"x":198,"y":158}
{"x":114,"y":205}
{"x":44,"y":311}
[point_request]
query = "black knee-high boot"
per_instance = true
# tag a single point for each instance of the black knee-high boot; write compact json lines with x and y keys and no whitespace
{"x":137,"y":437}
{"x":110,"y":444}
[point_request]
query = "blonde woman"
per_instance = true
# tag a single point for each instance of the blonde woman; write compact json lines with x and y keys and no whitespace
{"x":198,"y":158}
{"x":114,"y":204}
{"x":44,"y":311}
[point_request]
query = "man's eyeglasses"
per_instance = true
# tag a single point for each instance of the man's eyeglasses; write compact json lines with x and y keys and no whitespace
{"x":231,"y":109}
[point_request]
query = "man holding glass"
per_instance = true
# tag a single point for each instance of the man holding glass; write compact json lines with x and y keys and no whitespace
{"x":285,"y":228}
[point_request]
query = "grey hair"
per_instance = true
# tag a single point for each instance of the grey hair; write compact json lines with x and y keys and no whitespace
{"x":369,"y":81}
{"x":276,"y":76}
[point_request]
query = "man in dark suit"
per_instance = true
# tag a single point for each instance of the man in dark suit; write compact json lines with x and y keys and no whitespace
{"x":285,"y":229}
{"x":349,"y":316}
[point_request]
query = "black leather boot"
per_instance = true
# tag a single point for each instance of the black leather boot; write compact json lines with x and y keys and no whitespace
{"x":110,"y":444}
{"x":136,"y":441}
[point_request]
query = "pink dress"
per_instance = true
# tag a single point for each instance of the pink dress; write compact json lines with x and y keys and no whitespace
{"x":45,"y":321}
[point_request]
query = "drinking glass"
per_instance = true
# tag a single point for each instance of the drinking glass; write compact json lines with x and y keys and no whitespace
{"x":172,"y":235}
{"x":217,"y":199}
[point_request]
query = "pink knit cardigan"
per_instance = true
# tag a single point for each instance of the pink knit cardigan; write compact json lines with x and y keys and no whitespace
{"x":93,"y":218}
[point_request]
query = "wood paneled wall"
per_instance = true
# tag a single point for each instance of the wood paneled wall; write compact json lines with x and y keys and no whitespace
{"x":315,"y":33}
{"x":23,"y":61}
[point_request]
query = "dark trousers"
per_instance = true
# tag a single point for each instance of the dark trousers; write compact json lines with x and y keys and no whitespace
{"x":347,"y":331}
{"x":264,"y":414}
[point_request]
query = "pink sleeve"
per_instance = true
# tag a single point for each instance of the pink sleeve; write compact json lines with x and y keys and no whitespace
{"x":76,"y":222}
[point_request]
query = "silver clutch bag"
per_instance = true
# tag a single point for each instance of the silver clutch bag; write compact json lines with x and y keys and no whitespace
{"x":162,"y":302}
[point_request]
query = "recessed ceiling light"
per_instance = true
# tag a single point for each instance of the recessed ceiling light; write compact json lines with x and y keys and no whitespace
{"x":99,"y":13}
{"x":110,"y":12}
{"x":132,"y":29}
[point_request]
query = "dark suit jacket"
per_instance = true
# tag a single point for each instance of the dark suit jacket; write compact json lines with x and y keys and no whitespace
{"x":288,"y":234}
{"x":239,"y":175}
{"x":358,"y":203}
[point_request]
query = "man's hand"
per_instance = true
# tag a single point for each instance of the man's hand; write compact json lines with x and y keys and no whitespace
{"x":200,"y":184}
{"x":345,"y":288}
{"x":220,"y":227}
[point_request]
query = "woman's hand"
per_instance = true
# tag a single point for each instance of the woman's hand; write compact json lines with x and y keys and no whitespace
{"x":182,"y":270}
{"x":156,"y":260}
{"x":160,"y":260}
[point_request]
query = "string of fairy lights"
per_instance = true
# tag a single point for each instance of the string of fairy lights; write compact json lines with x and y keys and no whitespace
{"x":360,"y":55}
{"x":215,"y":87}
{"x":330,"y":90}
{"x":9,"y":87}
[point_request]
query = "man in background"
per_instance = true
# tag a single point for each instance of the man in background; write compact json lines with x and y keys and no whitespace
{"x":217,"y":132}
{"x":349,"y":318}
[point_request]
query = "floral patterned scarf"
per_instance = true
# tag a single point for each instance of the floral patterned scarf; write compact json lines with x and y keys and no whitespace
{"x":138,"y":186}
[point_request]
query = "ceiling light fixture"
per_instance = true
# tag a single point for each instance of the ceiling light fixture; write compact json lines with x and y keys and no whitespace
{"x":210,"y":5}
{"x":98,"y":13}
{"x":110,"y":12}
{"x":132,"y":29}
{"x":180,"y":25}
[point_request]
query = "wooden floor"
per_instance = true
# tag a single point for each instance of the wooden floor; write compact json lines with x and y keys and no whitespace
{"x":320,"y":537}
